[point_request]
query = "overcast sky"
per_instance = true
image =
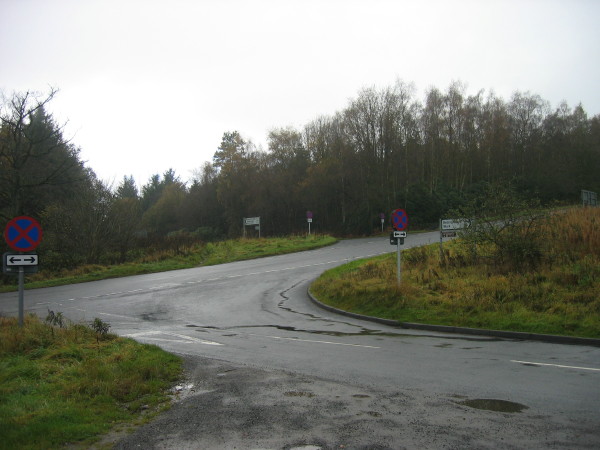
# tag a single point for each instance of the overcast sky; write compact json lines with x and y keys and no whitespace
{"x":148,"y":85}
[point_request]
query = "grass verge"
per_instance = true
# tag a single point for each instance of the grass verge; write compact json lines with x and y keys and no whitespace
{"x":561,"y":296}
{"x":205,"y":254}
{"x":70,"y":384}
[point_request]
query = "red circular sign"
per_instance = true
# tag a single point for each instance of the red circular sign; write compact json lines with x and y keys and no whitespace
{"x":399,"y":220}
{"x":23,"y":234}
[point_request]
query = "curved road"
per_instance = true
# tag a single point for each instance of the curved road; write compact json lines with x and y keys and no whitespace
{"x":456,"y":391}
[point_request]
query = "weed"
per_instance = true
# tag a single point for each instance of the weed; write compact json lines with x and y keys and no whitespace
{"x":55,"y":319}
{"x":101,"y":328}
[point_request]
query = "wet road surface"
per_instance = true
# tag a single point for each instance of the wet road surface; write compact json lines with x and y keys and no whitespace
{"x":255,"y":318}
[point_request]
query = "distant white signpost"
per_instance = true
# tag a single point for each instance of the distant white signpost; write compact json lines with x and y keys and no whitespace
{"x":589,"y":198}
{"x":448,"y":229}
{"x":252,"y":221}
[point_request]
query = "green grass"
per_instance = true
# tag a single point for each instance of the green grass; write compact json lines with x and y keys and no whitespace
{"x":561,"y":296}
{"x":200,"y":255}
{"x":70,"y":385}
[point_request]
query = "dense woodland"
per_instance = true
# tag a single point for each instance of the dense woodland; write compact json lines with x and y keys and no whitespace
{"x":385,"y":150}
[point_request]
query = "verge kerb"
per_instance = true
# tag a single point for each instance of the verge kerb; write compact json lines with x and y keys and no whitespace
{"x":550,"y":338}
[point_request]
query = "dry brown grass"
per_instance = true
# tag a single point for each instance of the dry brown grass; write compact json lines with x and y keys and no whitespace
{"x":559,"y":295}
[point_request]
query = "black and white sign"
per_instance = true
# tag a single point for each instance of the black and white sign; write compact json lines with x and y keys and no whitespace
{"x":21,"y":260}
{"x":13,"y":263}
{"x":455,"y":224}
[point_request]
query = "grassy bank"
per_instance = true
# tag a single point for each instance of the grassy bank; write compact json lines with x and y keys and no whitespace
{"x":70,"y":384}
{"x":204,"y":254}
{"x":561,"y":295}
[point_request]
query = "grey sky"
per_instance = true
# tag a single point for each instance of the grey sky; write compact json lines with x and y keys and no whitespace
{"x":147,"y":85}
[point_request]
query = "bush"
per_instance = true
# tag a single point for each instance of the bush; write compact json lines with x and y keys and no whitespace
{"x":505,"y":229}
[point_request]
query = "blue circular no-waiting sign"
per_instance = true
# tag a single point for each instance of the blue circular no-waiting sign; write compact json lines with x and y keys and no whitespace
{"x":399,"y":220}
{"x":23,"y":234}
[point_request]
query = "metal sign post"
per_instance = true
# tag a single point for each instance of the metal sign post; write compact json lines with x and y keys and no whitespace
{"x":309,"y":219}
{"x":397,"y":238}
{"x":399,"y":223}
{"x":21,"y":295}
{"x":252,"y":221}
{"x":22,"y":234}
{"x":449,"y":228}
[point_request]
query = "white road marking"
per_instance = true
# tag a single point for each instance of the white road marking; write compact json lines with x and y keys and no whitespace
{"x":142,"y":333}
{"x":114,"y":315}
{"x":312,"y":341}
{"x":179,"y":341}
{"x":555,"y":365}
{"x":187,"y":339}
{"x":201,"y":341}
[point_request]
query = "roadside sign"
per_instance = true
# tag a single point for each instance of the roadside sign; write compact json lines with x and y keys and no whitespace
{"x":21,"y":260}
{"x":13,"y":263}
{"x":455,"y":224}
{"x":252,"y":221}
{"x":589,"y":198}
{"x":20,"y":264}
{"x":399,"y":220}
{"x":23,"y":234}
{"x":399,"y":234}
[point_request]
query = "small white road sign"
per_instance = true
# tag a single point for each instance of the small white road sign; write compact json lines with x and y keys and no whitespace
{"x":21,"y":260}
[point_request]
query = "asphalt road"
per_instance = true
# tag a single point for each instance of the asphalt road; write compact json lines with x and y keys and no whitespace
{"x":291,"y":375}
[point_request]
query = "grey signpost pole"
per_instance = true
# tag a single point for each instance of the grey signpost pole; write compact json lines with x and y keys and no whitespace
{"x":21,"y":294}
{"x":441,"y":243}
{"x":399,"y":223}
{"x":22,"y":234}
{"x":398,"y":260}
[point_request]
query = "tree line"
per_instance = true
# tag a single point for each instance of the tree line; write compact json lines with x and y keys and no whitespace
{"x":385,"y":150}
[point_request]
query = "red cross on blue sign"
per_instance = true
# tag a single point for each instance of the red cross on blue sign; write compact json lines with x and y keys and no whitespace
{"x":23,"y":234}
{"x":399,"y":220}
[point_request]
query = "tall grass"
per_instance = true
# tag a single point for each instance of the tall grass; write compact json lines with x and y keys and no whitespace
{"x":62,"y":385}
{"x":561,"y":295}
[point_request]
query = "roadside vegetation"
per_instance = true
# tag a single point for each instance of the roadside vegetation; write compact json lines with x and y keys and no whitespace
{"x":64,"y":384}
{"x":540,"y":274}
{"x":181,"y":256}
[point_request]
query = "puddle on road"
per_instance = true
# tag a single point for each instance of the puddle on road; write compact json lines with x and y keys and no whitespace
{"x":489,"y":404}
{"x":299,"y":394}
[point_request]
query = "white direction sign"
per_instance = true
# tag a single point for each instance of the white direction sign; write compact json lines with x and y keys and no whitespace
{"x":21,"y":260}
{"x":251,"y":220}
{"x":455,"y":224}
